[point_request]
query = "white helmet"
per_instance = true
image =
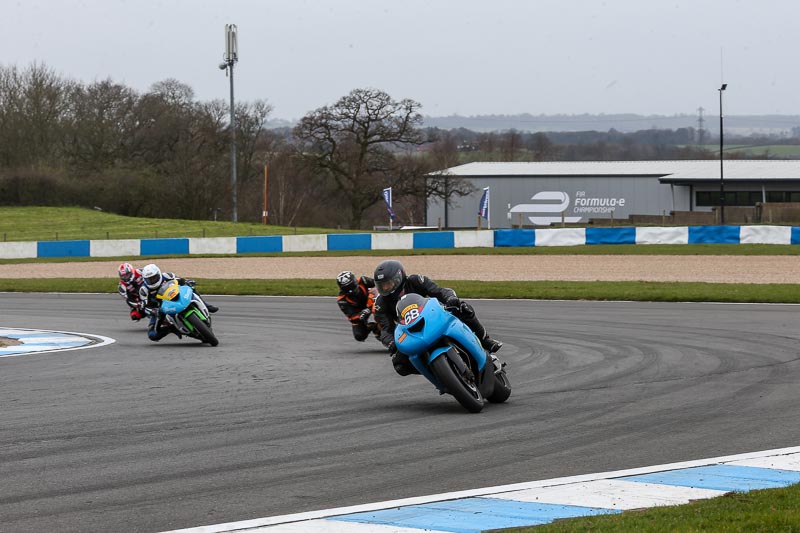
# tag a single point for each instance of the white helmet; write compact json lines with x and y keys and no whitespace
{"x":152,"y":276}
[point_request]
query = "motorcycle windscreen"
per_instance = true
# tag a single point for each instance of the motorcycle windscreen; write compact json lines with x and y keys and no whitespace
{"x":421,"y":326}
{"x":169,"y":290}
{"x":409,"y":308}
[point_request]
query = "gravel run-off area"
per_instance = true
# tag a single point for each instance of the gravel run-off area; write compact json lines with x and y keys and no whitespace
{"x":702,"y":268}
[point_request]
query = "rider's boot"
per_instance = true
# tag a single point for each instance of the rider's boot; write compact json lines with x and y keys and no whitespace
{"x":402,"y":365}
{"x":176,"y":331}
{"x":490,"y":345}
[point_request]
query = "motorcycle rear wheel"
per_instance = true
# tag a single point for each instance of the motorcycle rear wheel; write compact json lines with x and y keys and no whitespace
{"x":465,"y":391}
{"x":202,"y":329}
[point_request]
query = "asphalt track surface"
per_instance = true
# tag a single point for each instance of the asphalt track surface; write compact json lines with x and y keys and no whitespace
{"x":289,"y":414}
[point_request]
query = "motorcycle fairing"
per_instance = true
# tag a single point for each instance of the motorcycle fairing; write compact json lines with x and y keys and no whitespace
{"x":181,"y":301}
{"x":180,"y":304}
{"x":433,"y":333}
{"x":438,"y":323}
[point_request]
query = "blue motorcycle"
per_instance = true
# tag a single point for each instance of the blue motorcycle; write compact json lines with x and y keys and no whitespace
{"x":448,"y":353}
{"x":186,"y":311}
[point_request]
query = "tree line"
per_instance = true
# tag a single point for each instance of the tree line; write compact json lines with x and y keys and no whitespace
{"x":161,"y":153}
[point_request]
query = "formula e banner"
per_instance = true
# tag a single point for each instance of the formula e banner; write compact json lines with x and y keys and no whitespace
{"x":483,"y":206}
{"x":387,"y":197}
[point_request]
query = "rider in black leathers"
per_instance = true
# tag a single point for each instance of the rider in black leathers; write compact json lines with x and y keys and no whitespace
{"x":355,"y":300}
{"x":393,"y":282}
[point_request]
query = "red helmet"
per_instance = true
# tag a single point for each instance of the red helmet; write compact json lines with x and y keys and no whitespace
{"x":126,"y":272}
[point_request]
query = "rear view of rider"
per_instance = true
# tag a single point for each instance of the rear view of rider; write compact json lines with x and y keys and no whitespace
{"x":153,"y":279}
{"x":355,"y":301}
{"x":130,"y":281}
{"x":392,"y":283}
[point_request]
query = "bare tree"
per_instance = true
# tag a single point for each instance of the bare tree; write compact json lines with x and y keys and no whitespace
{"x":252,"y":141}
{"x":511,"y":144}
{"x":297,"y":191}
{"x":33,"y":103}
{"x":488,"y":144}
{"x":183,"y":144}
{"x":439,"y":182}
{"x":356,"y":141}
{"x":99,"y":125}
{"x":541,"y":147}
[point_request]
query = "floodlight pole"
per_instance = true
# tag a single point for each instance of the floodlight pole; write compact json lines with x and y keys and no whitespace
{"x":234,"y":215}
{"x":231,"y":57}
{"x":721,"y":173}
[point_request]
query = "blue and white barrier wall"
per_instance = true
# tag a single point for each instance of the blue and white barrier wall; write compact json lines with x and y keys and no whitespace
{"x":403,"y":241}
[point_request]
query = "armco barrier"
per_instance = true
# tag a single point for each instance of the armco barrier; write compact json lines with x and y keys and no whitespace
{"x":18,"y":250}
{"x":404,"y":241}
{"x":259,"y":245}
{"x":610,"y":236}
{"x":62,"y":249}
{"x":672,"y":235}
{"x":350,"y":241}
{"x":434,"y":239}
{"x":510,"y":238}
{"x":122,"y":248}
{"x":714,"y":235}
{"x":164,"y":247}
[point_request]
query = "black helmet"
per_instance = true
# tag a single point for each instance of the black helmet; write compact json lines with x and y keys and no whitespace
{"x":347,"y":282}
{"x":390,"y":277}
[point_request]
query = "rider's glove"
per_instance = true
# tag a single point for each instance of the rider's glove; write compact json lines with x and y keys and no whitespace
{"x":364,"y":315}
{"x":190,"y":283}
{"x":452,"y":304}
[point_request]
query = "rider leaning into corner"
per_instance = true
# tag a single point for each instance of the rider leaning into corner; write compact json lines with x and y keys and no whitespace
{"x":355,"y":300}
{"x":159,"y":327}
{"x":393,"y":282}
{"x":130,"y":282}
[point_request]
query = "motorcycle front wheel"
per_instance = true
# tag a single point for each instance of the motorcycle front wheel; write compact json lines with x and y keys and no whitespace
{"x":502,"y":388}
{"x":463,"y":388}
{"x":202,"y":329}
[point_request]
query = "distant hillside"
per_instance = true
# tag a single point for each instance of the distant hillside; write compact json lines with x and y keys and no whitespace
{"x":780,"y":125}
{"x":742,"y":124}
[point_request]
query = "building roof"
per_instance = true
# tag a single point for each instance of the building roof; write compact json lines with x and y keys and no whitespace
{"x":667,"y":171}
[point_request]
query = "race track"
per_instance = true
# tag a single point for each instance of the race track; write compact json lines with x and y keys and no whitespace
{"x":290,"y":414}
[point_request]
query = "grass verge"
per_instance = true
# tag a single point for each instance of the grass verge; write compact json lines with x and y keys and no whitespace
{"x":757,"y":510}
{"x":540,"y":290}
{"x":68,"y":223}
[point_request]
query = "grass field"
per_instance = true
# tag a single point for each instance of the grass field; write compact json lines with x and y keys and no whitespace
{"x":775,"y":150}
{"x":67,"y":223}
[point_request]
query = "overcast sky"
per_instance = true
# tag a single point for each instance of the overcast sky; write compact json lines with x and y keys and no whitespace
{"x":464,"y":57}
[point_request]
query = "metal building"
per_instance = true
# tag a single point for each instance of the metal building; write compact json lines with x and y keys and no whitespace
{"x":542,"y":193}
